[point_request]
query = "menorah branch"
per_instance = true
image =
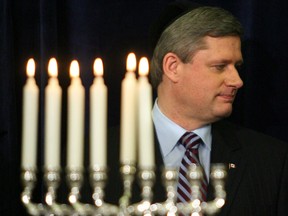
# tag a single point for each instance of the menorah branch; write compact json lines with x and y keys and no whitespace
{"x":29,"y":179}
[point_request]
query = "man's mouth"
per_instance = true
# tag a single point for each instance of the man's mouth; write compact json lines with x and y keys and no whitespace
{"x":228,"y":97}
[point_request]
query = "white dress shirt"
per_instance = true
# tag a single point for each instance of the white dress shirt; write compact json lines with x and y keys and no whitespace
{"x":168,"y":134}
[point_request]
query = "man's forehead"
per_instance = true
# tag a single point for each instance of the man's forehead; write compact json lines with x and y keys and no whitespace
{"x":221,"y":45}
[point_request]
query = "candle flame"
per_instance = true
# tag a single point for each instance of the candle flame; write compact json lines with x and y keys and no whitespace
{"x":52,"y":67}
{"x":131,"y":62}
{"x":143,"y":66}
{"x":30,"y":68}
{"x":98,"y":67}
{"x":74,"y":69}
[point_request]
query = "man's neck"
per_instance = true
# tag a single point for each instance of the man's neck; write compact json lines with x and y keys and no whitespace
{"x":174,"y":115}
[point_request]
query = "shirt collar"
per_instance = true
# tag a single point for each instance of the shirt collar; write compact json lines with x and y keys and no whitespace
{"x":168,"y":132}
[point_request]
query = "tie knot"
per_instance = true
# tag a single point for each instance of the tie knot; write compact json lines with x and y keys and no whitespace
{"x":190,"y":140}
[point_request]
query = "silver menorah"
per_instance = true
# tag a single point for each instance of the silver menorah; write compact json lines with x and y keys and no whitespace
{"x":98,"y":178}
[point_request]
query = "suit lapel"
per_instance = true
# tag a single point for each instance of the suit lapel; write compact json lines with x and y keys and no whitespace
{"x":226,"y":149}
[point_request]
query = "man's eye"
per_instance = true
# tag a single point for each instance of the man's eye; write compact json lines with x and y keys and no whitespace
{"x":220,"y":67}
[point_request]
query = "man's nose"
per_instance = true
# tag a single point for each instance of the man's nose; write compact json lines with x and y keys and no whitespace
{"x":234,"y":79}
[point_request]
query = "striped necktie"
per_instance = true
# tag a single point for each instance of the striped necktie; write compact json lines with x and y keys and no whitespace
{"x":191,"y":142}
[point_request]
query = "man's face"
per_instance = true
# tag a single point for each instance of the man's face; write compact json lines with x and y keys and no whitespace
{"x":208,"y":84}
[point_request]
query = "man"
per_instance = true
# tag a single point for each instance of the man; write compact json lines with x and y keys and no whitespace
{"x":194,"y":69}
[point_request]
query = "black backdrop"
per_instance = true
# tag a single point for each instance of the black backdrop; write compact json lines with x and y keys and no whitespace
{"x":84,"y":30}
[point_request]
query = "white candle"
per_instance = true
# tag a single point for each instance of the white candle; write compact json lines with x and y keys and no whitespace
{"x":30,"y":118}
{"x":98,"y":118}
{"x":146,"y":134}
{"x":128,"y":113}
{"x":53,"y":96}
{"x":75,"y":106}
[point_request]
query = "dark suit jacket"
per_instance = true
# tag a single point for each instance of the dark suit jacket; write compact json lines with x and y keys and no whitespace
{"x":258,"y":185}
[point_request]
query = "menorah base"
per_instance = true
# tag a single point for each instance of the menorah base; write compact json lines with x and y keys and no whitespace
{"x":98,"y":178}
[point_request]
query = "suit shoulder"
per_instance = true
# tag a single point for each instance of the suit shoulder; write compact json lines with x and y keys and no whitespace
{"x":252,"y":138}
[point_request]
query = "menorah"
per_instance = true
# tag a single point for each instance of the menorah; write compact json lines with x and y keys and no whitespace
{"x":98,"y":178}
{"x":98,"y":168}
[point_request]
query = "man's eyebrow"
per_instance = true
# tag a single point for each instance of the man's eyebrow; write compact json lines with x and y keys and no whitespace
{"x":240,"y":62}
{"x":226,"y":61}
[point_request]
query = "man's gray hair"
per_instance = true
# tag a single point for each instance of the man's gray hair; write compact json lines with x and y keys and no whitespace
{"x":184,"y":37}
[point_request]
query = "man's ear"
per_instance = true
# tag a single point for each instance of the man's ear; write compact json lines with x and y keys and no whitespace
{"x":170,"y":66}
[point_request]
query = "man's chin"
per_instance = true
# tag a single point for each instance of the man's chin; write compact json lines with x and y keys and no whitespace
{"x":224,"y":114}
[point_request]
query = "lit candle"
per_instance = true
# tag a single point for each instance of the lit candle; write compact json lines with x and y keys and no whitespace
{"x":128,"y":113}
{"x":53,"y":96}
{"x":30,"y":118}
{"x":75,"y":106}
{"x":98,"y":117}
{"x":145,"y":132}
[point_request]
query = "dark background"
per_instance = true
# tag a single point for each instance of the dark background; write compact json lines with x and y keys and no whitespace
{"x":84,"y":30}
